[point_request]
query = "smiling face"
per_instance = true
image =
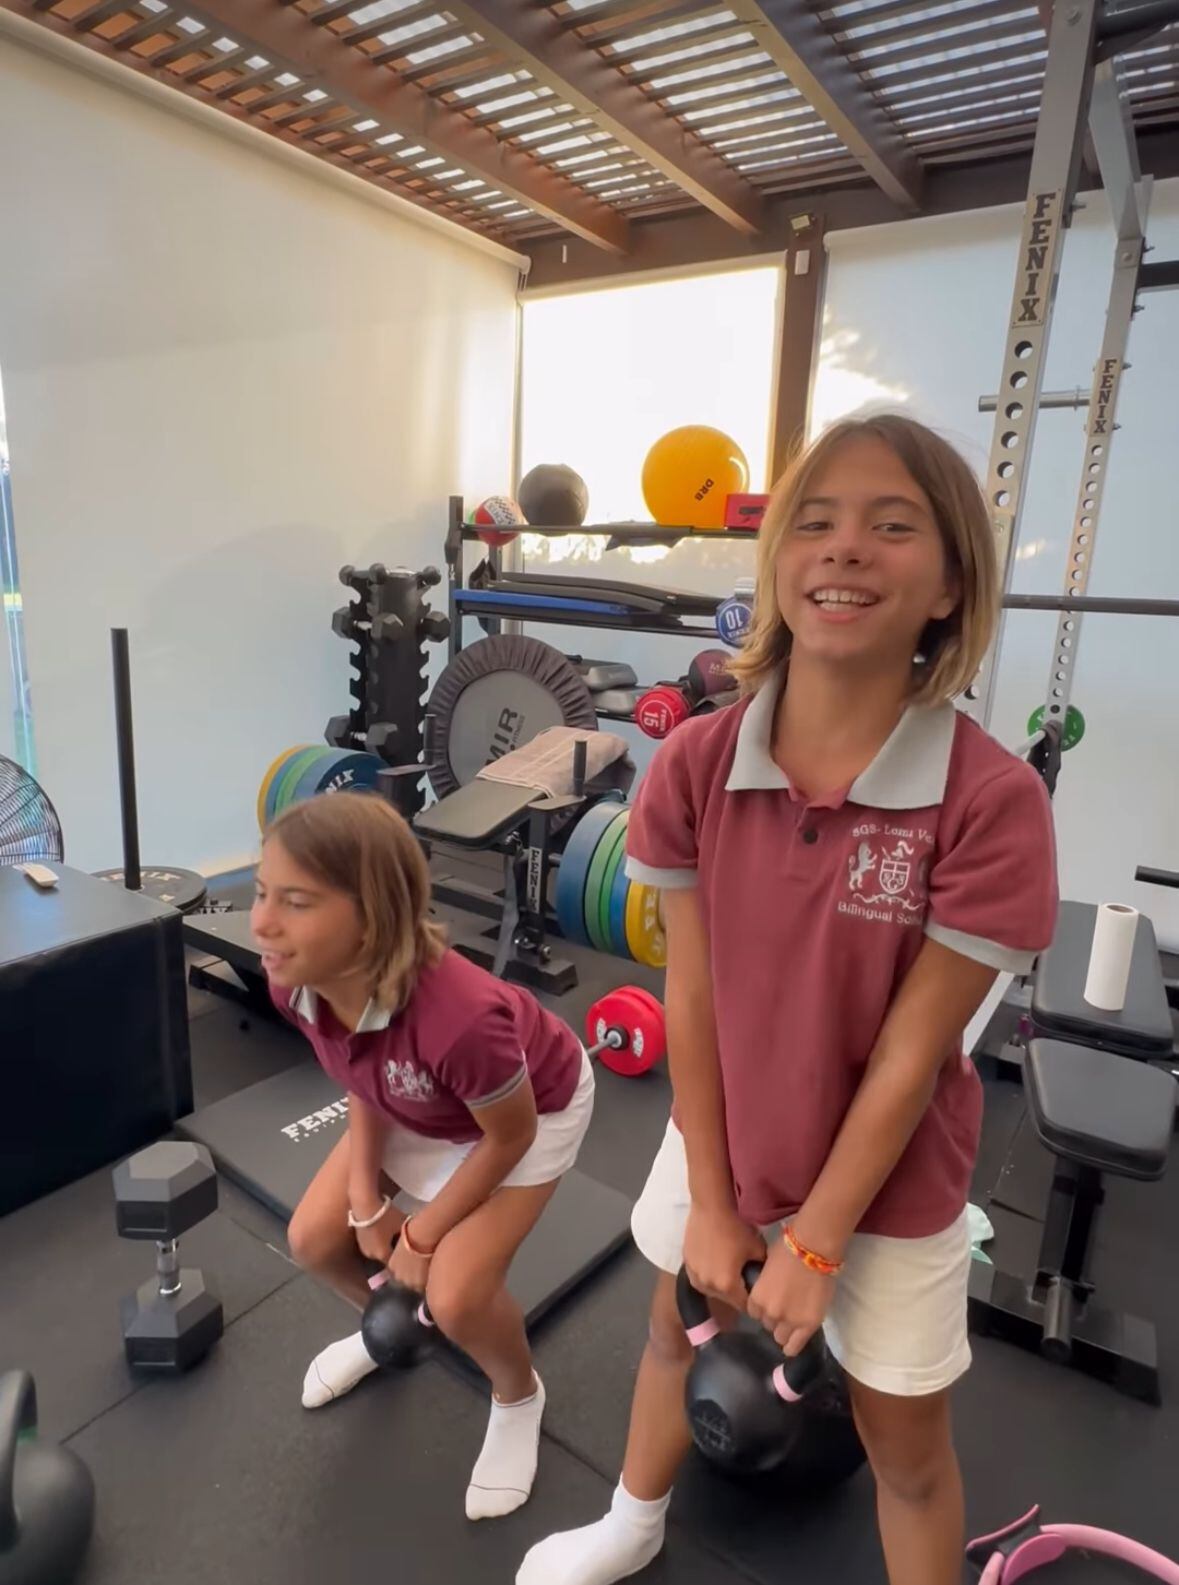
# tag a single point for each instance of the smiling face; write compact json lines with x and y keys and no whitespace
{"x":310,"y":934}
{"x":862,"y":567}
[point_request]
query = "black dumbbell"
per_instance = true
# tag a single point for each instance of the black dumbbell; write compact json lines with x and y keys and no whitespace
{"x":171,"y":1321}
{"x":428,"y":577}
{"x":709,"y":674}
{"x":396,"y":1328}
{"x":435,"y":626}
{"x":742,"y":1394}
{"x":381,"y":738}
{"x":339,"y":731}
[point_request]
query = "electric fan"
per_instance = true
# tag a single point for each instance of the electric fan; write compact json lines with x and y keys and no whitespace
{"x":29,"y":827}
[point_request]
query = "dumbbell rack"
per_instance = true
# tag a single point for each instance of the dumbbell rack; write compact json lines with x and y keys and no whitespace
{"x":388,"y":684}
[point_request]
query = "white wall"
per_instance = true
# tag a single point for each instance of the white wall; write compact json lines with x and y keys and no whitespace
{"x":224,"y":378}
{"x":915,"y":317}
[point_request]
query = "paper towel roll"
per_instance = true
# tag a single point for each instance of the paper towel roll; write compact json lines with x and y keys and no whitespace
{"x":1109,"y":957}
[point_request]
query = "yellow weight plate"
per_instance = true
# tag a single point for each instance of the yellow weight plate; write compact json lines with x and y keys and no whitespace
{"x":275,"y":766}
{"x":644,"y":926}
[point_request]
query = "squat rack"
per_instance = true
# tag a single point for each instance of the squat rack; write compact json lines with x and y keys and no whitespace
{"x":1082,"y":91}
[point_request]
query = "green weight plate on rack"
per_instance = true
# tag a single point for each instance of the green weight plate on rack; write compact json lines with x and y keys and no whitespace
{"x":595,"y":880}
{"x":275,"y":774}
{"x":286,"y":783}
{"x":1074,"y":725}
{"x":606,"y":891}
{"x":574,"y":867}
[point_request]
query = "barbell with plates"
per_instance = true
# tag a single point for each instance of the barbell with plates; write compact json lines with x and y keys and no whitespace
{"x":312,"y":768}
{"x":625,"y":1030}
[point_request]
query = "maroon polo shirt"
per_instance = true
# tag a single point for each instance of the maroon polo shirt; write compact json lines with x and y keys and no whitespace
{"x":815,"y":912}
{"x":465,"y":1039}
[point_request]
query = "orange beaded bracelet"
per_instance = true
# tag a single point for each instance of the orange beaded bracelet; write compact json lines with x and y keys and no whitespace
{"x":422,"y":1254}
{"x":813,"y":1262}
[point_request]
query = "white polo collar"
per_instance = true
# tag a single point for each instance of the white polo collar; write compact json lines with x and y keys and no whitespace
{"x":910,"y":771}
{"x":305,"y":1003}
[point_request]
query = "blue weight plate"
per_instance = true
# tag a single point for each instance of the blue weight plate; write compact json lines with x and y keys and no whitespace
{"x":340,"y":770}
{"x":619,"y":944}
{"x":574,"y":868}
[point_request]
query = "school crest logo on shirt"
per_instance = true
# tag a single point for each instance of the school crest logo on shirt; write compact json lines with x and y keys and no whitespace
{"x":886,"y":873}
{"x":407,"y":1083}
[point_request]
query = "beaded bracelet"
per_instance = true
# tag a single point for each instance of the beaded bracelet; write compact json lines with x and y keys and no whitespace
{"x":813,"y":1262}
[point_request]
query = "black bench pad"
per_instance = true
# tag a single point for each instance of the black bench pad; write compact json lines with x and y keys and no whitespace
{"x":1058,"y":997}
{"x":1099,"y":1109}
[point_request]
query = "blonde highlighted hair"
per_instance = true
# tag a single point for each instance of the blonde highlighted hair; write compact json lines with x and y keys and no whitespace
{"x":358,"y":844}
{"x":951,"y":650}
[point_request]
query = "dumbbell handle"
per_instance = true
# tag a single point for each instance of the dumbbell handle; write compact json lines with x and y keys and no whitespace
{"x":168,"y":1267}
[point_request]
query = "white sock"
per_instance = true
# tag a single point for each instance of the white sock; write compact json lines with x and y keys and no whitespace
{"x":506,"y":1467}
{"x":625,"y":1541}
{"x":336,"y":1371}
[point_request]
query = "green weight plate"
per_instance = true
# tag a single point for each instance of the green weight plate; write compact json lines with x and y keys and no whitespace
{"x":606,"y":897}
{"x":574,"y":867}
{"x":1074,"y":725}
{"x":596,"y":882}
{"x":275,"y":776}
{"x":286,"y":783}
{"x":619,"y":942}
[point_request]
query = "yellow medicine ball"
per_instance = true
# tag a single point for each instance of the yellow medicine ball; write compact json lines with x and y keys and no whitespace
{"x":689,"y":473}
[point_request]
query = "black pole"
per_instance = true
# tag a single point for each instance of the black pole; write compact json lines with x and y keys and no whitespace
{"x":121,"y":660}
{"x":1098,"y":605}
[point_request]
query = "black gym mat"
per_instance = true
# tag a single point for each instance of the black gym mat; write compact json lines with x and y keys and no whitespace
{"x":272,"y":1138}
{"x":65,"y":1270}
{"x":223,"y":1475}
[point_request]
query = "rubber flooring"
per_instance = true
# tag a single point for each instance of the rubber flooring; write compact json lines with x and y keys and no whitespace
{"x":222,"y":1474}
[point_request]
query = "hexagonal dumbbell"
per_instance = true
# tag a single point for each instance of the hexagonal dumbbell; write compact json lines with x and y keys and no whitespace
{"x":173,"y":1319}
{"x":434,"y":626}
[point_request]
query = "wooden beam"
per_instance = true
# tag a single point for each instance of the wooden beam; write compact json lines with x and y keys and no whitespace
{"x":532,"y":37}
{"x":321,"y":60}
{"x":804,"y":273}
{"x":792,"y":35}
{"x":690,"y":239}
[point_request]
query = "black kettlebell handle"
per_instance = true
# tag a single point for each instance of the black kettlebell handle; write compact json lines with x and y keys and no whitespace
{"x":384,"y":1283}
{"x":793,"y":1378}
{"x":693,"y":1306}
{"x":18,"y":1412}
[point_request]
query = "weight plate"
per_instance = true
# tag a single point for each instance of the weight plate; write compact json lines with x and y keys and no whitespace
{"x":641,"y":1015}
{"x":644,"y":926}
{"x":1074,"y":725}
{"x":288,"y":780}
{"x":613,"y":838}
{"x":275,"y":776}
{"x":339,"y":770}
{"x":574,"y":868}
{"x":495,"y":696}
{"x":183,"y":890}
{"x":268,"y":782}
{"x":614,"y":867}
{"x":619,"y":888}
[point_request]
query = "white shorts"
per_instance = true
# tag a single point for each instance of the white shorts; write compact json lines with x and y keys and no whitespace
{"x":897,"y":1322}
{"x":420,"y":1165}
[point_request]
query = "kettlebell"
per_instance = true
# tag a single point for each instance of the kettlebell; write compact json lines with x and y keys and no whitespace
{"x":742,"y":1394}
{"x":396,"y":1328}
{"x":46,"y":1495}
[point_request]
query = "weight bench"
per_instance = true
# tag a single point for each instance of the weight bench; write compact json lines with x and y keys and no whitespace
{"x":1098,"y":1113}
{"x":1059,"y":1010}
{"x":522,"y":822}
